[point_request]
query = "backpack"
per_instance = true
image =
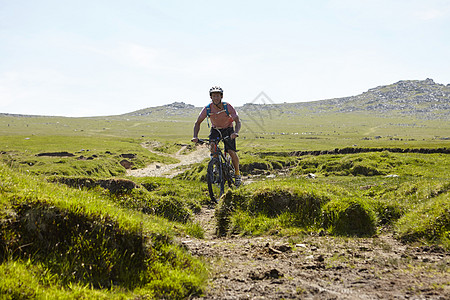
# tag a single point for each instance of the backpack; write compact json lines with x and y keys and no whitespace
{"x":208,"y":110}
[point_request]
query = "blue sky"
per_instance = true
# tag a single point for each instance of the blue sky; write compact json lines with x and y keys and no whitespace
{"x":106,"y":57}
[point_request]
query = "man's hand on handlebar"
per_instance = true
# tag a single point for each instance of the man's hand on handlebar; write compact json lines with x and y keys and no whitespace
{"x":234,"y":135}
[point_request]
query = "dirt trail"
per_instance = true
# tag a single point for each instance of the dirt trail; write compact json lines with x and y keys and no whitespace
{"x":311,"y":266}
{"x":171,"y":170}
{"x":319,"y":267}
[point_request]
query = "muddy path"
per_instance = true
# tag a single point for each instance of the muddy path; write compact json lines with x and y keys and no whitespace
{"x":311,"y":266}
{"x":319,"y":267}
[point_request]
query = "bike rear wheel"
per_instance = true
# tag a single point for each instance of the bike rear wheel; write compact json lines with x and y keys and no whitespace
{"x":215,"y":179}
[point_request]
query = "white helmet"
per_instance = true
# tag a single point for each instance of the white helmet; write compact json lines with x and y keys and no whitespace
{"x":215,"y":89}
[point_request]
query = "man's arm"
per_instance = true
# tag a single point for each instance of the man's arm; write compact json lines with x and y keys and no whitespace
{"x":199,"y":121}
{"x":237,"y":127}
{"x":196,"y":130}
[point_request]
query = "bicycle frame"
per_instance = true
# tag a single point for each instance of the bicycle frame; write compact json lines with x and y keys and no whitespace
{"x":220,"y":169}
{"x":216,"y":151}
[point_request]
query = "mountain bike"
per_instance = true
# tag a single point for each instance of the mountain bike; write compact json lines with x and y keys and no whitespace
{"x":220,"y":169}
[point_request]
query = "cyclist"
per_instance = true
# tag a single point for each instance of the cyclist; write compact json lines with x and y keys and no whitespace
{"x":222,"y":116}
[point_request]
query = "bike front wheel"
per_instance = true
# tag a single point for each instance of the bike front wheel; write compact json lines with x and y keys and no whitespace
{"x":229,"y":171}
{"x":215,"y":179}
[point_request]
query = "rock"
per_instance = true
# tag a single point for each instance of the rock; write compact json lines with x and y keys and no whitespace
{"x":320,"y":258}
{"x":272,"y":274}
{"x":283,"y":248}
{"x":126,"y":164}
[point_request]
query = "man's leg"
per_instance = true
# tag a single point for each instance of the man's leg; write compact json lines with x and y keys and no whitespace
{"x":213,"y":138}
{"x":235,"y":162}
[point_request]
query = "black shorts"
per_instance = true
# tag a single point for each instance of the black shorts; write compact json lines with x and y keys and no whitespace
{"x":215,"y":134}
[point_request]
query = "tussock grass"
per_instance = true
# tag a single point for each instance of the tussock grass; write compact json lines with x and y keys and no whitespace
{"x":174,"y":199}
{"x":346,"y":205}
{"x":197,"y":172}
{"x":32,"y":280}
{"x":81,"y":238}
{"x":293,"y":205}
{"x":429,"y":222}
{"x":353,"y":217}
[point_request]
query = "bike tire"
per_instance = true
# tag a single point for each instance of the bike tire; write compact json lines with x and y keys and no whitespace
{"x":216,"y":185}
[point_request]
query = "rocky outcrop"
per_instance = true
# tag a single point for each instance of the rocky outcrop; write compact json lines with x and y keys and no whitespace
{"x":173,"y":109}
{"x":410,"y":97}
{"x":420,"y":98}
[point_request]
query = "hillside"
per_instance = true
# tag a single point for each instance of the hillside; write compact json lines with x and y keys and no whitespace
{"x":424,"y":99}
{"x":173,"y":109}
{"x":419,"y":98}
{"x":411,"y":97}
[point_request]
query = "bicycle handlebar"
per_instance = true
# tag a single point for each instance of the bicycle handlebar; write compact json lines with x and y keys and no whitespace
{"x":206,"y":141}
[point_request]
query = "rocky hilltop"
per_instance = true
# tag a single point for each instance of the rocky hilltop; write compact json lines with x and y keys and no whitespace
{"x":173,"y":109}
{"x":420,"y":98}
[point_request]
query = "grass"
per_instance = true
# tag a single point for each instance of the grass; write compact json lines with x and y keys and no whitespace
{"x":262,"y":131}
{"x":176,"y":200}
{"x":429,"y":222}
{"x":345,"y":202}
{"x":84,"y":239}
{"x":92,"y":156}
{"x":72,"y":227}
{"x":28,"y":280}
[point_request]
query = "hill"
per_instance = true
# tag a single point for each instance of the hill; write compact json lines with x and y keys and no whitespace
{"x":424,"y":99}
{"x":417,"y":98}
{"x":173,"y":109}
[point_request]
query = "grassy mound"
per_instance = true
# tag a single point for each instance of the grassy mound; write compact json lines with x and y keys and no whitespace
{"x":280,"y":204}
{"x":176,"y":200}
{"x":79,"y":242}
{"x":352,"y":217}
{"x":343,"y":206}
{"x":430,"y":222}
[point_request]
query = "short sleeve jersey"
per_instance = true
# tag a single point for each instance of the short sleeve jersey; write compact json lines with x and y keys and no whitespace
{"x":219,"y":117}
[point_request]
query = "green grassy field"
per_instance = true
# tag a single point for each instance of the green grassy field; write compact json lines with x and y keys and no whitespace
{"x":74,"y":227}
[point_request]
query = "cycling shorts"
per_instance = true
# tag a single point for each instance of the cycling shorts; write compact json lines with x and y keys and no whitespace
{"x":216,"y":134}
